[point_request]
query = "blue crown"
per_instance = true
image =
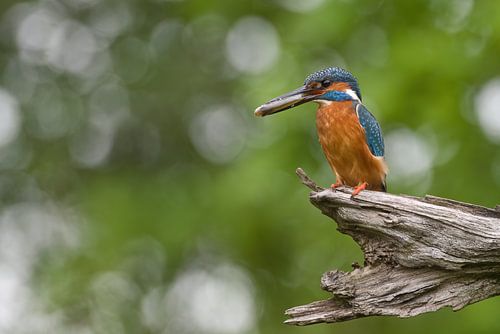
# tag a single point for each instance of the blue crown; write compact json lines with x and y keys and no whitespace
{"x":335,"y":74}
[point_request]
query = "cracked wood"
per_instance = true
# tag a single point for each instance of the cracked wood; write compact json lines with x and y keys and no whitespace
{"x":421,"y":254}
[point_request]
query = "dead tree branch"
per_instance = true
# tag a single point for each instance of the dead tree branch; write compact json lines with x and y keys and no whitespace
{"x":421,"y":254}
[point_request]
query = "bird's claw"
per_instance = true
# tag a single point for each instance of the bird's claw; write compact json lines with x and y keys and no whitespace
{"x":336,"y":185}
{"x":358,"y":189}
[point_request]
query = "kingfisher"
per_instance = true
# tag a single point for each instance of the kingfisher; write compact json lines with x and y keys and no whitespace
{"x":349,"y":134}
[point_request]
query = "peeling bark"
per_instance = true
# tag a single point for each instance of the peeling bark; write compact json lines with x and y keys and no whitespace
{"x":421,"y":254}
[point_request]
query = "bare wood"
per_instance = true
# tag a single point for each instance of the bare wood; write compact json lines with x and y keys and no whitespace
{"x":421,"y":254}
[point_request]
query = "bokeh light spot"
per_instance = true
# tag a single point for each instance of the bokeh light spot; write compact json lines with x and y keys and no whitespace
{"x":35,"y":31}
{"x":152,"y":312}
{"x":487,"y":109}
{"x":409,"y":156}
{"x":163,"y":35}
{"x":301,"y":6}
{"x":220,"y":300}
{"x":370,"y":44}
{"x":111,"y":101}
{"x":452,"y":15}
{"x":109,"y":108}
{"x":55,"y":114}
{"x":219,"y":134}
{"x":10,"y":118}
{"x":28,"y":230}
{"x":132,"y":59}
{"x":110,"y":19}
{"x":252,"y":45}
{"x":91,"y":146}
{"x":72,"y":47}
{"x":45,"y":36}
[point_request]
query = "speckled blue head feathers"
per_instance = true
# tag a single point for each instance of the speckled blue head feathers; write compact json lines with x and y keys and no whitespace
{"x":335,"y":74}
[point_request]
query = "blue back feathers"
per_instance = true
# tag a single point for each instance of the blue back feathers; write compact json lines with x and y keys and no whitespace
{"x":335,"y":74}
{"x":372,"y":130}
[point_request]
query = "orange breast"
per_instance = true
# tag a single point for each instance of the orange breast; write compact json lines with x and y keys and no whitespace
{"x":344,"y":143}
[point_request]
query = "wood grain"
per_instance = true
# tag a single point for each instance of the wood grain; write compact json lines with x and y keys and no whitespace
{"x":421,"y":254}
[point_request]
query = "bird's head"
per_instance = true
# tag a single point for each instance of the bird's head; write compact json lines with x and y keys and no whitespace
{"x":330,"y":84}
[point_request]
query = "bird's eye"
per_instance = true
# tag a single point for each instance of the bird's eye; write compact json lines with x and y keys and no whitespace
{"x":326,"y":83}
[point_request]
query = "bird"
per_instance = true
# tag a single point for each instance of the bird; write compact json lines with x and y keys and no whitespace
{"x":349,"y":134}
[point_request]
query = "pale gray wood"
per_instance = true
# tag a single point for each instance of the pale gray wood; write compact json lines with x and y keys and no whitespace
{"x":421,"y":254}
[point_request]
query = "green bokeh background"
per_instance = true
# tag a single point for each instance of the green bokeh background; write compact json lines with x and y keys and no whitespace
{"x":157,"y":205}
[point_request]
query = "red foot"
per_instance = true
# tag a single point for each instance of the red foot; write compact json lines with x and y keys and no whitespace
{"x":359,"y":189}
{"x":336,"y":185}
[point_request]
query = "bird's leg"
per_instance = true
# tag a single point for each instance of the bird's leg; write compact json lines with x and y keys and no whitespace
{"x":338,"y":180}
{"x":337,"y":184}
{"x":359,"y":189}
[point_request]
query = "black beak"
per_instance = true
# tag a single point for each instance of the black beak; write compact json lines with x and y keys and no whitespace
{"x":287,"y":101}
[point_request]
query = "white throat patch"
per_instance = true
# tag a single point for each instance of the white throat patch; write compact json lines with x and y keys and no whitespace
{"x":323,"y":102}
{"x":352,"y":94}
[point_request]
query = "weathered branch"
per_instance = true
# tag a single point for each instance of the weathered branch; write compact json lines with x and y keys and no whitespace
{"x":421,"y":254}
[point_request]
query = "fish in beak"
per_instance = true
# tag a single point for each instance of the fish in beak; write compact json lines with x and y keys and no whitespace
{"x":289,"y":100}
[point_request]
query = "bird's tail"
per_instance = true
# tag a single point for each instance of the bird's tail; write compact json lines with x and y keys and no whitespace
{"x":384,"y":186}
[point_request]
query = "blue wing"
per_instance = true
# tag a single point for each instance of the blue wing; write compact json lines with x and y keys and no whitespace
{"x":372,"y":130}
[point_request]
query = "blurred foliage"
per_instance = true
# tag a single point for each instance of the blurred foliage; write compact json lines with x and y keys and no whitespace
{"x":140,"y":195}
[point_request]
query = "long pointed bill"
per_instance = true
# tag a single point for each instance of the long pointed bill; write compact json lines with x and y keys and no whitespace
{"x":287,"y":101}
